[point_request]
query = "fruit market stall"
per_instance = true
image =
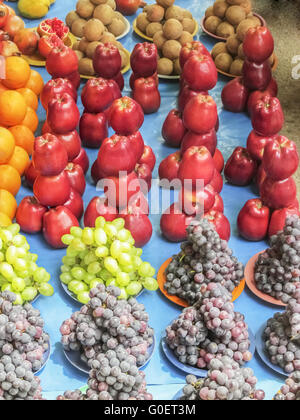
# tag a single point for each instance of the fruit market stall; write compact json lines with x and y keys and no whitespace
{"x":165,"y":374}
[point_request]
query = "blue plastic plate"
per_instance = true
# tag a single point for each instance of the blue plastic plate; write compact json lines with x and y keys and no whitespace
{"x":199,"y":373}
{"x":260,"y":348}
{"x":46,"y":357}
{"x":74,"y":358}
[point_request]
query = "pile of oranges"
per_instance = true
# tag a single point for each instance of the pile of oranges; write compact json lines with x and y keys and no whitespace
{"x":19,"y":93}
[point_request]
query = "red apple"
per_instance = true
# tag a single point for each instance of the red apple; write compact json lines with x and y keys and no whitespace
{"x":75,"y":204}
{"x":235,"y":95}
{"x":196,"y":165}
{"x":218,"y":204}
{"x":97,"y":207}
{"x":220,"y":222}
{"x":97,"y":95}
{"x":217,"y":182}
{"x":278,"y":194}
{"x":30,"y":215}
{"x":256,"y":145}
{"x":140,"y":227}
{"x":55,"y":87}
{"x":253,"y":220}
{"x":168,"y":168}
{"x":148,"y":157}
{"x":31,"y":175}
{"x":49,"y":156}
{"x":219,"y":160}
{"x":137,"y":144}
{"x":185,"y":95}
{"x":126,"y":116}
{"x":56,"y":223}
{"x":197,"y":202}
{"x":71,"y":142}
{"x":174,"y":222}
{"x":192,"y":48}
{"x":240,"y":168}
{"x":96,"y":174}
{"x":200,"y":72}
{"x":267,"y":116}
{"x":257,"y":76}
{"x":173,"y":129}
{"x":138,"y":204}
{"x":258,"y":44}
{"x":200,"y":114}
{"x":63,"y":114}
{"x":52,"y":191}
{"x":82,"y":160}
{"x":93,"y":129}
{"x":278,"y":220}
{"x":119,"y":190}
{"x":76,"y":177}
{"x":144,"y":174}
{"x":209,"y":140}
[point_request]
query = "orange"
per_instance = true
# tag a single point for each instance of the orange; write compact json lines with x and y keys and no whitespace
{"x":13,"y":108}
{"x":24,"y":137}
{"x":4,"y":220}
{"x":35,"y":82}
{"x":2,"y":88}
{"x":19,"y":160}
{"x":17,"y":72}
{"x":10,"y":179}
{"x":30,"y":97}
{"x":7,"y":145}
{"x":31,"y":119}
{"x":8,"y":204}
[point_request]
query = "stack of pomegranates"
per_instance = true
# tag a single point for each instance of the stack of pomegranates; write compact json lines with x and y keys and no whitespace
{"x":144,"y":80}
{"x":107,"y":63}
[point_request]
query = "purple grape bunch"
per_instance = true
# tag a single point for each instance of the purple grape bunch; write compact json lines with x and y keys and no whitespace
{"x":204,"y":258}
{"x":277,"y":270}
{"x":282,"y":336}
{"x":290,"y":391}
{"x":22,"y":346}
{"x":210,"y":329}
{"x":225,"y":381}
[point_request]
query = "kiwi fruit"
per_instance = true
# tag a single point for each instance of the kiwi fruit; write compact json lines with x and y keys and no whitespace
{"x":165,"y":66}
{"x":232,"y":45}
{"x":185,"y":38}
{"x":236,"y":67}
{"x":165,"y":3}
{"x":235,"y":15}
{"x":174,"y":12}
{"x":85,"y":9}
{"x":93,"y":30}
{"x":177,"y":68}
{"x":83,"y":44}
{"x":107,"y":37}
{"x":172,"y":29}
{"x":220,"y":8}
{"x":112,"y":4}
{"x":153,"y":28}
{"x":247,"y":5}
{"x":104,"y":13}
{"x":75,"y":46}
{"x":241,"y":53}
{"x":155,"y":13}
{"x":209,"y":12}
{"x":159,"y":39}
{"x":187,"y":14}
{"x":188,"y":25}
{"x":119,"y":16}
{"x":79,"y":54}
{"x":225,"y":30}
{"x":117,"y":27}
{"x":235,"y":2}
{"x":254,"y":19}
{"x":85,"y":67}
{"x":219,"y":48}
{"x":212,"y":23}
{"x":71,"y":17}
{"x":142,"y":22}
{"x":223,"y":62}
{"x":171,"y":49}
{"x":91,"y":48}
{"x":78,"y":27}
{"x":243,"y":28}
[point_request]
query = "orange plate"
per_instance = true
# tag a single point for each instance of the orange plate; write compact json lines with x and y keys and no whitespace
{"x":249,"y":276}
{"x":161,"y":279}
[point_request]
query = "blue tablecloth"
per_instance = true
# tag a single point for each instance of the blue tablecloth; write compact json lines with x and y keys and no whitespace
{"x":164,"y":380}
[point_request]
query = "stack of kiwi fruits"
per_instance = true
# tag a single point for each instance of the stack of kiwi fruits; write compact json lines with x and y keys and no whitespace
{"x":170,"y":27}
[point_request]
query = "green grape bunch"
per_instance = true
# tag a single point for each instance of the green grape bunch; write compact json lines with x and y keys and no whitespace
{"x":105,"y":255}
{"x":19,"y":272}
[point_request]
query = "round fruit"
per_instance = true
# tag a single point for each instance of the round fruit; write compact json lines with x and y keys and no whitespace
{"x":17,"y":73}
{"x":19,"y":160}
{"x":48,"y":43}
{"x":13,"y":108}
{"x":53,"y":27}
{"x":7,"y":145}
{"x":10,"y":179}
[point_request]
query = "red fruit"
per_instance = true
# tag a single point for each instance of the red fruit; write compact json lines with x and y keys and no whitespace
{"x":31,"y":174}
{"x":148,"y":157}
{"x":267,"y":116}
{"x":257,"y":76}
{"x":96,"y":174}
{"x":48,"y":43}
{"x":144,"y":59}
{"x":278,"y":220}
{"x":260,"y":176}
{"x":254,"y":97}
{"x":49,"y":156}
{"x":82,"y":160}
{"x":220,"y":222}
{"x":209,"y":140}
{"x":52,"y":191}
{"x":217,"y":182}
{"x":185,"y":95}
{"x":134,"y":77}
{"x":174,"y":222}
{"x":137,"y":144}
{"x":278,"y":194}
{"x":27,"y":41}
{"x":218,"y":204}
{"x":200,"y":72}
{"x":55,"y":87}
{"x":173,"y":129}
{"x":200,"y":114}
{"x":97,"y":95}
{"x":168,"y":168}
{"x":138,"y":204}
{"x":57,"y":223}
{"x":75,"y":79}
{"x":97,"y":207}
{"x":280,"y":160}
{"x":197,"y":165}
{"x":61,"y":62}
{"x":93,"y":129}
{"x":235,"y":95}
{"x":192,"y":48}
{"x":76,"y":177}
{"x":144,"y":174}
{"x":119,"y":79}
{"x":63,"y":114}
{"x":219,"y":160}
{"x":72,"y":143}
{"x":253,"y":220}
{"x":107,"y":60}
{"x":140,"y":227}
{"x":146,"y":94}
{"x":258,"y":44}
{"x":115,"y":88}
{"x":75,"y":204}
{"x":126,"y":116}
{"x":197,"y":202}
{"x":120,"y":190}
{"x":240,"y":168}
{"x":256,"y":145}
{"x":116,"y":155}
{"x":30,"y":215}
{"x":128,"y":7}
